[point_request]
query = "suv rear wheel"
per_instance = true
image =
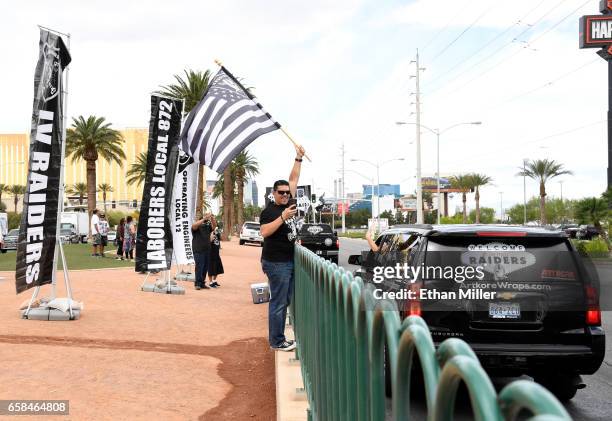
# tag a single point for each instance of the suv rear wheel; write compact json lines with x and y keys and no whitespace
{"x":241,"y":242}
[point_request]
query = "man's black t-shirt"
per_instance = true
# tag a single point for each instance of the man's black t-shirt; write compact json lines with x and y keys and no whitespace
{"x":201,"y":238}
{"x":278,"y":247}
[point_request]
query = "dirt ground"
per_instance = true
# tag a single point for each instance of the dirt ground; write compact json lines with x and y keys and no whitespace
{"x":134,"y":355}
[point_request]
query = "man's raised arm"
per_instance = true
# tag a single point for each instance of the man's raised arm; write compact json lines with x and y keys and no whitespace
{"x":294,"y":177}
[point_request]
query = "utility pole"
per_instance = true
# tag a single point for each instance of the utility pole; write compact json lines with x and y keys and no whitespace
{"x":342,"y":196}
{"x":501,"y":207}
{"x":524,"y":193}
{"x":418,"y":143}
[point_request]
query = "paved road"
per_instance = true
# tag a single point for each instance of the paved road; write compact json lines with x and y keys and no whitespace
{"x":592,"y":403}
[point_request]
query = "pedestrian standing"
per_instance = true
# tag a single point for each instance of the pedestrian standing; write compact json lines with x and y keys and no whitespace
{"x":129,"y":237}
{"x":202,"y":230}
{"x":95,"y":232}
{"x":279,"y":230}
{"x":104,"y":228}
{"x":119,"y":238}
{"x":215,"y":266}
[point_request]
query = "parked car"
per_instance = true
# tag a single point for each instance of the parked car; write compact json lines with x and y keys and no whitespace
{"x":320,"y":239}
{"x":544,"y":319}
{"x":587,"y":232}
{"x":570,"y":229}
{"x":250,"y":233}
{"x":69,"y":236}
{"x":10,"y":240}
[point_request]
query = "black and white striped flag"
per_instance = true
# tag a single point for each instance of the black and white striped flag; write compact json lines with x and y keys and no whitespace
{"x":225,"y":122}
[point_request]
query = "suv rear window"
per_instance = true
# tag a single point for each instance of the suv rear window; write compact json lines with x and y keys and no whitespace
{"x":252,"y":226}
{"x":512,"y":259}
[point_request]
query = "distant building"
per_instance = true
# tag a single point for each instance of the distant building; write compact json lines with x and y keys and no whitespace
{"x":354,"y":196}
{"x":247,"y":197}
{"x":385,"y":190}
{"x":250,"y":192}
{"x":255,"y":193}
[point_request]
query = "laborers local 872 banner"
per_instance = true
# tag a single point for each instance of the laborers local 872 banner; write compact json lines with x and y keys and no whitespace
{"x":154,"y":235}
{"x":37,"y":232}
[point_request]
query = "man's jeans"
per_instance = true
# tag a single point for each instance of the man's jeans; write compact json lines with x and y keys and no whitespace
{"x":280,"y":278}
{"x":201,"y":267}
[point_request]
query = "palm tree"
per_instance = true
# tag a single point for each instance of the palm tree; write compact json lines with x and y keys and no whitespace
{"x":138,"y":170}
{"x":463,"y":183}
{"x":190,"y":88}
{"x":479,"y":180}
{"x":228,"y":199}
{"x":243,"y":166}
{"x":4,"y":188}
{"x":79,"y":189}
{"x":592,"y":210}
{"x":16,"y":190}
{"x":105,"y":188}
{"x":89,"y":139}
{"x":542,"y":170}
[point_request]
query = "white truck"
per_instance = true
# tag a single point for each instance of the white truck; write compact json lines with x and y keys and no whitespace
{"x":3,"y":227}
{"x":79,"y":221}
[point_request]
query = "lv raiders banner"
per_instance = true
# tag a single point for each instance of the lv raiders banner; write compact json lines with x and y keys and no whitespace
{"x":154,"y":235}
{"x":185,"y":187}
{"x":36,"y":243}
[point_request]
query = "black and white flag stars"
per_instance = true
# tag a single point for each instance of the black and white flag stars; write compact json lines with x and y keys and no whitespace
{"x":224,"y":123}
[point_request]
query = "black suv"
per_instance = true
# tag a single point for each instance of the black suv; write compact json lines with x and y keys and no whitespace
{"x":530,"y":306}
{"x":321,"y":240}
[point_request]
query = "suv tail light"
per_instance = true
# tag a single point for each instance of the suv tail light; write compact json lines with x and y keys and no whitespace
{"x":299,"y":242}
{"x":337,"y":243}
{"x":593,"y":313}
{"x":413,"y":307}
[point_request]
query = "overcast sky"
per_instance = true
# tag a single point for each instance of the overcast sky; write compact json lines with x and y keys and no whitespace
{"x":334,"y":72}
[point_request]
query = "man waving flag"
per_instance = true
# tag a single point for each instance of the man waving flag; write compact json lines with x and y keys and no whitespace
{"x":225,"y":122}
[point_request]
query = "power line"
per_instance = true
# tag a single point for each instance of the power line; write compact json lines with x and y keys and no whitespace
{"x":499,"y":63}
{"x":463,"y":32}
{"x":516,"y":145}
{"x":549,"y":83}
{"x":442,"y":30}
{"x":499,"y":50}
{"x":491,"y":41}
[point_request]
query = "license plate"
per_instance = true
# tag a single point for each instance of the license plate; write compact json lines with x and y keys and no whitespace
{"x":504,"y":310}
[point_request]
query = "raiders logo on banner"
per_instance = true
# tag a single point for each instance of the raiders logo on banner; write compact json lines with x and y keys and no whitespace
{"x":154,"y":235}
{"x":37,"y":232}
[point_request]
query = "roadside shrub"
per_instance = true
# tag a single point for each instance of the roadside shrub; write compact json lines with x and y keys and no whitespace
{"x":597,"y":248}
{"x":593,"y":248}
{"x":14,"y":220}
{"x":113,"y":217}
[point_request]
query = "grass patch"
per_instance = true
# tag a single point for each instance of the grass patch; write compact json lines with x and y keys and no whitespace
{"x":78,"y":256}
{"x":353,"y":234}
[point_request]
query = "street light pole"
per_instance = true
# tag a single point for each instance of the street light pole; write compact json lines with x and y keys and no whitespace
{"x":501,"y":207}
{"x":437,"y":132}
{"x":418,"y":144}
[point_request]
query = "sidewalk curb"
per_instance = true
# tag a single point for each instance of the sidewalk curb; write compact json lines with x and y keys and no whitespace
{"x":291,"y":403}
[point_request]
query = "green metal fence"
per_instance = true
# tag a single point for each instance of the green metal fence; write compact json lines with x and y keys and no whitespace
{"x":341,"y":334}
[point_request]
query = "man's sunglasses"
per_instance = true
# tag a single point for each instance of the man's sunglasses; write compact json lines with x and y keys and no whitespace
{"x":283,"y":192}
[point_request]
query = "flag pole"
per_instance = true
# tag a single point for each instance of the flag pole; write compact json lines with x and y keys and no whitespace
{"x":297,"y":145}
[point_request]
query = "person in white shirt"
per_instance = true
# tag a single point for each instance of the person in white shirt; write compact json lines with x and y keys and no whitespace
{"x":104,"y":228}
{"x":95,"y":232}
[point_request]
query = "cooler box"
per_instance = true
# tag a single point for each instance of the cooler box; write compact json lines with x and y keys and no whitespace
{"x":260,"y":293}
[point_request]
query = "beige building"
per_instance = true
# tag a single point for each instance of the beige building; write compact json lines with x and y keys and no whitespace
{"x":14,"y":150}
